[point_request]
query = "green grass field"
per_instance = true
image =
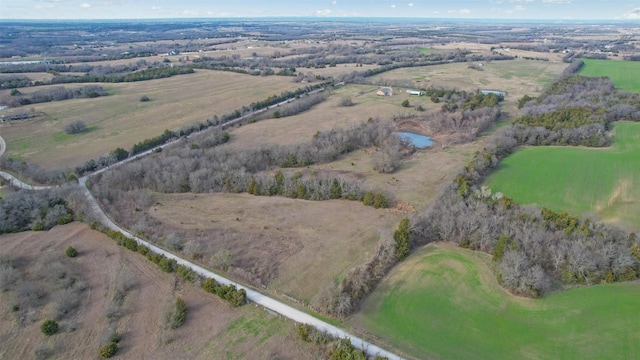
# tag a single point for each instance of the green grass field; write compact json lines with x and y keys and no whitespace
{"x":603,"y":182}
{"x":444,"y":303}
{"x":624,"y":74}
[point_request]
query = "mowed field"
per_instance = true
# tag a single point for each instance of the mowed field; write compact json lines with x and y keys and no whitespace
{"x":311,"y":243}
{"x":624,"y":74}
{"x":516,"y":77}
{"x":212,"y":330}
{"x":443,"y":302}
{"x":603,"y":182}
{"x":121,"y":120}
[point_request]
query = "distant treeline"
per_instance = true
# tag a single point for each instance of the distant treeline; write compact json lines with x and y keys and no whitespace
{"x":100,"y":74}
{"x":54,"y":93}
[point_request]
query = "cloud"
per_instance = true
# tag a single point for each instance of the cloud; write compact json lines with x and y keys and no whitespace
{"x":85,"y":5}
{"x":190,"y":13}
{"x":334,"y":2}
{"x":323,"y":12}
{"x":556,"y":1}
{"x":156,"y":8}
{"x":632,"y":14}
{"x":515,"y":9}
{"x":393,"y":6}
{"x":460,"y":12}
{"x":109,"y":3}
{"x":410,"y":4}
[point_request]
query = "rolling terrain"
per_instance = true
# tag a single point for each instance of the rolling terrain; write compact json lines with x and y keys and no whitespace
{"x":444,"y":302}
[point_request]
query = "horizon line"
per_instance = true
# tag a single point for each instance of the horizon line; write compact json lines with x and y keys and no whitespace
{"x":326,"y":18}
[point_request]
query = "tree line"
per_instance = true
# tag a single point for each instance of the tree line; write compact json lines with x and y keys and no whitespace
{"x":55,"y":93}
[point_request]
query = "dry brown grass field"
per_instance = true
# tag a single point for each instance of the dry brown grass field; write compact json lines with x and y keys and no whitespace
{"x":120,"y":120}
{"x":213,"y":330}
{"x":309,"y":244}
{"x":419,"y":177}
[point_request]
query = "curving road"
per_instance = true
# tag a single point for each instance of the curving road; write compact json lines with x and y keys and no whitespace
{"x":252,"y":295}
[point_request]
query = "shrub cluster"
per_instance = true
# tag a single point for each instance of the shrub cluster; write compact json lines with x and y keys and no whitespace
{"x":71,"y":252}
{"x":49,"y":327}
{"x":108,"y":350}
{"x":178,"y":315}
{"x":229,"y":293}
{"x":75,"y":127}
{"x":336,"y":348}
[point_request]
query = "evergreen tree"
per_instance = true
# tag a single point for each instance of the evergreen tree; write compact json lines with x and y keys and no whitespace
{"x":401,"y":236}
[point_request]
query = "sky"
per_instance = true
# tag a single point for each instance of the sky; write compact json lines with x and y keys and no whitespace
{"x":472,"y":9}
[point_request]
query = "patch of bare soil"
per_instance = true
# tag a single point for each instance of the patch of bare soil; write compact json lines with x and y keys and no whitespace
{"x":212,"y":328}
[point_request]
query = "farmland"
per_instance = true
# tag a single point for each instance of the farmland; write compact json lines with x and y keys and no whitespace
{"x":516,"y":77}
{"x":601,"y":182}
{"x":211,"y":328}
{"x":625,"y":74}
{"x":121,"y":120}
{"x":444,"y":302}
{"x":276,"y":203}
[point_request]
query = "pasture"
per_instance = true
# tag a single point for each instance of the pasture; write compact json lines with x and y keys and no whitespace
{"x":624,"y":74}
{"x":516,"y":77}
{"x":121,"y":120}
{"x":444,"y":302}
{"x":601,"y":182}
{"x":307,"y":244}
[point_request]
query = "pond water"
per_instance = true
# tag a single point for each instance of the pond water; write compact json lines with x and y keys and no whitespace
{"x":417,"y":140}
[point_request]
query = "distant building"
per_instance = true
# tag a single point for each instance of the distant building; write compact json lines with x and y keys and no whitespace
{"x":385,"y":91}
{"x":415,"y":92}
{"x":499,"y":93}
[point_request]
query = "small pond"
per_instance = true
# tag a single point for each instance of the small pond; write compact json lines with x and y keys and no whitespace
{"x":417,"y":140}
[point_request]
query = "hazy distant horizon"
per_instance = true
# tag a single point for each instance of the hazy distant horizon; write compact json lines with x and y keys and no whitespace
{"x":319,"y":9}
